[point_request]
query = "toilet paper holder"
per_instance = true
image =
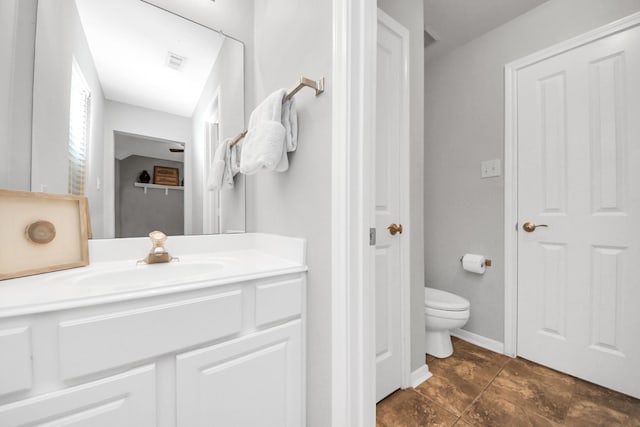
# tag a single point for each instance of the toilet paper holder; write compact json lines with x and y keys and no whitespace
{"x":487,"y":261}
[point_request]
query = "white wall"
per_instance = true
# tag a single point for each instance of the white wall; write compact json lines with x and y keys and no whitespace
{"x":59,"y":39}
{"x":17,"y":38}
{"x":464,"y":124}
{"x":226,"y":82}
{"x":409,"y":14}
{"x":293,"y":38}
{"x":125,"y":118}
{"x":233,"y":18}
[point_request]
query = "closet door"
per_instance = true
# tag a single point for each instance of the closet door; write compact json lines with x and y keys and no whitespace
{"x":579,"y":211}
{"x":255,"y":380}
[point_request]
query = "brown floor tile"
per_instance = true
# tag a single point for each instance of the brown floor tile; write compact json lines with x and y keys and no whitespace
{"x":633,"y":421}
{"x":609,"y":398}
{"x":492,"y":410}
{"x":406,"y":408}
{"x":453,"y":395}
{"x":477,"y":388}
{"x":470,"y":362}
{"x":584,"y":413}
{"x":496,"y":358}
{"x":593,"y":405}
{"x":459,"y":379}
{"x":535,"y":389}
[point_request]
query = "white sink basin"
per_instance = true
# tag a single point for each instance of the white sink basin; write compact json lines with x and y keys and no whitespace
{"x":133,"y":275}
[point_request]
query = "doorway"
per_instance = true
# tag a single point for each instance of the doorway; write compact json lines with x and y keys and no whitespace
{"x":141,"y":205}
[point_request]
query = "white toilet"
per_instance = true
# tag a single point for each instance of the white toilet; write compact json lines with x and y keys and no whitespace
{"x":443,"y":311}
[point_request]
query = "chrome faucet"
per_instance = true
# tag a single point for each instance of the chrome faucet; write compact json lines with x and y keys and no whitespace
{"x":158,"y":253}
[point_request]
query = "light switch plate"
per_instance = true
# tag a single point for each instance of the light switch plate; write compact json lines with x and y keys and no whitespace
{"x":490,"y":168}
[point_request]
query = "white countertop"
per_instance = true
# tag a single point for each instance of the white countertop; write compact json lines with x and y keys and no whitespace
{"x":114,"y":274}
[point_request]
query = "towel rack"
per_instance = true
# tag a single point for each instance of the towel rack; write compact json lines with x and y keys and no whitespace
{"x":317,"y":85}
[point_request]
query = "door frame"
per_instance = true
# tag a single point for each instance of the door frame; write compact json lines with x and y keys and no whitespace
{"x":352,"y":291}
{"x":404,"y":244}
{"x":511,"y":160}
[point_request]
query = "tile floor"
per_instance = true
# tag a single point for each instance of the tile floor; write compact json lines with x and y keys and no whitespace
{"x":476,"y":387}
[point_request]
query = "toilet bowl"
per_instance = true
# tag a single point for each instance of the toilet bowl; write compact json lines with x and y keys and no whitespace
{"x":443,"y":311}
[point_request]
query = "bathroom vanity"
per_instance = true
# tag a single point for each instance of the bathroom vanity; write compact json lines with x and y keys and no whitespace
{"x":214,"y":338}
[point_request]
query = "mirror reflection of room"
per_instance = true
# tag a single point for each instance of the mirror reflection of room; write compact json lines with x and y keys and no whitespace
{"x":123,"y":87}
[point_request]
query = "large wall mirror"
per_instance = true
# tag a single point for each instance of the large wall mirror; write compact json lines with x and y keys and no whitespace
{"x":121,"y":87}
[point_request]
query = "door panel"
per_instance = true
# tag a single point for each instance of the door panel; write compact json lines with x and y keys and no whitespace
{"x":390,"y":105}
{"x":578,"y":156}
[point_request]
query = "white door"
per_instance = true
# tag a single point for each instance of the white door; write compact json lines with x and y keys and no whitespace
{"x":578,"y":133}
{"x":390,"y":189}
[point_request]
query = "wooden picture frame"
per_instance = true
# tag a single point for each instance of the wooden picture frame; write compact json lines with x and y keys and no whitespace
{"x":163,"y":175}
{"x":42,"y":232}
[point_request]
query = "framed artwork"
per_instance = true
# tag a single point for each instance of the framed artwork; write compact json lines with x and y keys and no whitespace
{"x":163,"y":175}
{"x":42,"y":232}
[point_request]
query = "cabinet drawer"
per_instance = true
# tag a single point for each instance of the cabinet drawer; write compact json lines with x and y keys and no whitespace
{"x":15,"y":360}
{"x":277,"y":301}
{"x":123,"y":400}
{"x":93,"y":344}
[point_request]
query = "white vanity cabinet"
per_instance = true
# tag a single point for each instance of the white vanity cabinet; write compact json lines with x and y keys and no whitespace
{"x":228,"y":354}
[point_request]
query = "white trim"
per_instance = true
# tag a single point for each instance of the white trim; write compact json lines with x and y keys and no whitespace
{"x":510,"y":161}
{"x":420,"y":375}
{"x":433,"y":33}
{"x":479,"y":340}
{"x":405,"y":207}
{"x":353,"y":118}
{"x":510,"y":215}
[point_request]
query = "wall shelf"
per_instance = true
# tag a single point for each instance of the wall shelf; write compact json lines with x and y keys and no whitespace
{"x":166,"y":188}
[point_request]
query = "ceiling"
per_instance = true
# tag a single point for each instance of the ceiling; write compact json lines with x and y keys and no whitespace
{"x":130,"y":42}
{"x":134,"y":145}
{"x":455,"y":22}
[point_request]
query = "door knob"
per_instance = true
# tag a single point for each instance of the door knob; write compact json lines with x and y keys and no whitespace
{"x":530,"y":227}
{"x":395,"y":229}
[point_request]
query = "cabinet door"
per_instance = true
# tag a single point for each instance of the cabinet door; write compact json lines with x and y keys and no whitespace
{"x":125,"y":400}
{"x":255,"y":380}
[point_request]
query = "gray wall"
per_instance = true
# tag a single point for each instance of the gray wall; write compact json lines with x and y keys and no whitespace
{"x":464,"y":125}
{"x":293,"y":38}
{"x":17,"y":41}
{"x":410,"y":14}
{"x":138,"y":213}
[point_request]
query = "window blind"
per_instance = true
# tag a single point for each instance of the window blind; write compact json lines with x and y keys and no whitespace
{"x":79,"y":115}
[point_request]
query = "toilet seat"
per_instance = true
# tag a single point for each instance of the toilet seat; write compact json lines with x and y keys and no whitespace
{"x":441,"y":300}
{"x":447,"y":314}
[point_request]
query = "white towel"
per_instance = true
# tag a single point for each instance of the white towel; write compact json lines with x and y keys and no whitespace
{"x":222,"y":168}
{"x":233,"y":159}
{"x":290,"y":123}
{"x":264,"y":146}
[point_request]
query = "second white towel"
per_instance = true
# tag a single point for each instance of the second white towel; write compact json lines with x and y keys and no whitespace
{"x":224,"y":167}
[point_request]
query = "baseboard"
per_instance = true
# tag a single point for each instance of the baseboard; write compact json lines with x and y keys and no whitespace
{"x":479,"y":340}
{"x":420,"y":375}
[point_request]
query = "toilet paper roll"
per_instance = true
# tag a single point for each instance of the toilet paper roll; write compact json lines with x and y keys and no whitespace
{"x":473,"y":263}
